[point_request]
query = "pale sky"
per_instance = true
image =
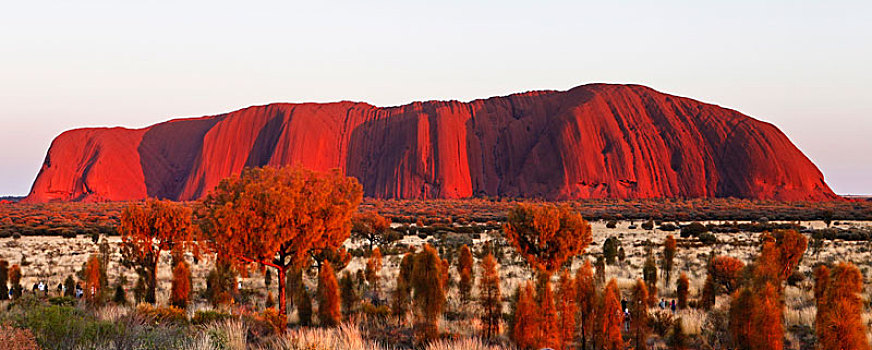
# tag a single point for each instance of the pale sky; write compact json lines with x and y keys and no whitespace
{"x":805,"y":66}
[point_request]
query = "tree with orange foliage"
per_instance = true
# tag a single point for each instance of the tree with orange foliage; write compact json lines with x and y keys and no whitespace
{"x":149,"y":228}
{"x":610,"y":318}
{"x":428,"y":286}
{"x":547,"y":235}
{"x":371,"y":227}
{"x":329,"y":313}
{"x":373,"y":267}
{"x":682,"y":288}
{"x":490,"y":298}
{"x":840,"y":325}
{"x":181,"y":288}
{"x":669,"y":246}
{"x":726,"y":272}
{"x":567,"y":308}
{"x":526,"y":326}
{"x":781,"y":253}
{"x":464,"y":268}
{"x":92,"y":281}
{"x":276,"y":216}
{"x":585,"y":286}
{"x":639,"y":315}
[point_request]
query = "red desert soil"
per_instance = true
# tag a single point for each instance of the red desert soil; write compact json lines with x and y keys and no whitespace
{"x":593,"y":141}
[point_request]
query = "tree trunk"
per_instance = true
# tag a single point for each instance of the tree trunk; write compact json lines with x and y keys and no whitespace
{"x":283,"y":305}
{"x":151,"y":293}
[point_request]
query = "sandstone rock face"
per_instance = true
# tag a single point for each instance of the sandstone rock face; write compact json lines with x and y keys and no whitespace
{"x":593,"y":141}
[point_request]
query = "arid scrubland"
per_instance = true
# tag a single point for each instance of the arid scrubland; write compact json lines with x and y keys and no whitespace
{"x":51,"y":259}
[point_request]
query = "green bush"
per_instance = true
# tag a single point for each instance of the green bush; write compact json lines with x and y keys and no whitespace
{"x":64,"y":327}
{"x":210,"y":316}
{"x":693,"y":229}
{"x":62,"y":301}
{"x":707,"y":238}
{"x":648,"y":225}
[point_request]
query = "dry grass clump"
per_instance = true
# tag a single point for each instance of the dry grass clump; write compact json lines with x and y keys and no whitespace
{"x":17,"y":339}
{"x":227,"y":334}
{"x":112,"y":313}
{"x":349,"y":337}
{"x":345,"y":336}
{"x":800,"y":317}
{"x":463,"y":344}
{"x":692,"y":321}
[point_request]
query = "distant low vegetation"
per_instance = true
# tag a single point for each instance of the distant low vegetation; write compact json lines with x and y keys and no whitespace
{"x":71,"y":219}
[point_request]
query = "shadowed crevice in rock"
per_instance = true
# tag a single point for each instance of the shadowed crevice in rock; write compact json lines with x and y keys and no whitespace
{"x":167,"y":153}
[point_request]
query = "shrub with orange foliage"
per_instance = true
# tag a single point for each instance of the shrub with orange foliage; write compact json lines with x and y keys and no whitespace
{"x":490,"y":298}
{"x":221,"y":283}
{"x":649,"y":275}
{"x":547,"y":235}
{"x":276,"y":217}
{"x":682,"y":288}
{"x":610,"y":318}
{"x":180,"y":292}
{"x":464,"y":268}
{"x":373,"y":267}
{"x":567,"y":308}
{"x":329,"y":313}
{"x":821,"y":283}
{"x":708,"y":296}
{"x":741,"y":307}
{"x":839,"y":324}
{"x":149,"y":228}
{"x":526,"y":327}
{"x":551,"y":333}
{"x":757,"y":312}
{"x":639,"y":315}
{"x":15,"y":281}
{"x":585,"y":287}
{"x":274,"y":319}
{"x":767,"y":316}
{"x":428,"y":286}
{"x":669,"y":246}
{"x":403,"y":290}
{"x":92,"y":280}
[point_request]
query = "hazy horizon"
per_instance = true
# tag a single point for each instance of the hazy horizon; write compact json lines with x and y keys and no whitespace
{"x":802,"y":66}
